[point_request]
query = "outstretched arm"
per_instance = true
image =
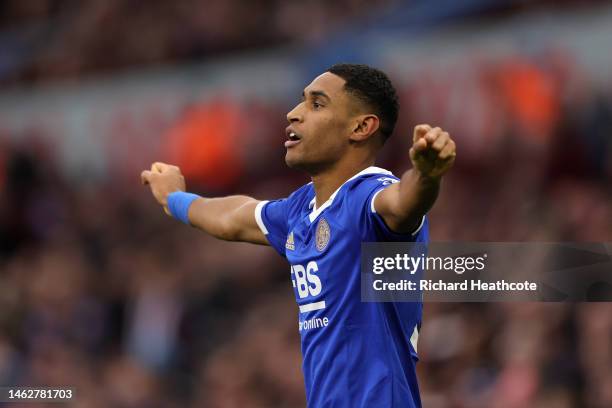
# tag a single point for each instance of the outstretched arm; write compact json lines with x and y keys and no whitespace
{"x":402,"y":205}
{"x":229,"y":218}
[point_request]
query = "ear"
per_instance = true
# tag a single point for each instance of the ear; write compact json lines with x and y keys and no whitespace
{"x":364,"y":126}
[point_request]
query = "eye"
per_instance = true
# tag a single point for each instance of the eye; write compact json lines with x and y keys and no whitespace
{"x":316,"y":105}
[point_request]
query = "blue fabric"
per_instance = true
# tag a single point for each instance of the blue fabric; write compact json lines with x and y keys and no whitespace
{"x":179,"y":203}
{"x":355,"y":354}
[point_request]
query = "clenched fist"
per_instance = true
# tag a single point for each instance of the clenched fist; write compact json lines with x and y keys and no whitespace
{"x":432,"y":152}
{"x":163,"y":180}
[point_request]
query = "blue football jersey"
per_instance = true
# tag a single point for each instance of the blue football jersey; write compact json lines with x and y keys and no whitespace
{"x":355,"y":354}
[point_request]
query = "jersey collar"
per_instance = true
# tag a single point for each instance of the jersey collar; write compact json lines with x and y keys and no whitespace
{"x":316,"y":211}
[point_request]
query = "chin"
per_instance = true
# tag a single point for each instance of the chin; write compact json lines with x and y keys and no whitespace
{"x":292,"y":162}
{"x":295,"y":162}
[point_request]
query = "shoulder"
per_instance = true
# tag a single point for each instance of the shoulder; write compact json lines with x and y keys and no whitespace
{"x":273,"y":216}
{"x":301,"y":192}
{"x":298,"y":201}
{"x":301,"y":195}
{"x":361,"y":188}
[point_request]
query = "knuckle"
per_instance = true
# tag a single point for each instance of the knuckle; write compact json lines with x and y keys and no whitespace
{"x":422,"y":128}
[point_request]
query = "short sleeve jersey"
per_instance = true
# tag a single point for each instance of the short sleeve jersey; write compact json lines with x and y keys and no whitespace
{"x":355,"y":354}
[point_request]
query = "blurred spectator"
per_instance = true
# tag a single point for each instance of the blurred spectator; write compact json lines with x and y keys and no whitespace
{"x":66,"y":39}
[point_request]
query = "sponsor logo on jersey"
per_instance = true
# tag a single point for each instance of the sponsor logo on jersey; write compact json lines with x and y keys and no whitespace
{"x":387,"y":180}
{"x":323,"y":235}
{"x":307,"y":283}
{"x":290,"y":244}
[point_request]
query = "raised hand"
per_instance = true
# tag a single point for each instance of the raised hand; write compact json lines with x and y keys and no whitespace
{"x":432,"y":152}
{"x":163,"y":179}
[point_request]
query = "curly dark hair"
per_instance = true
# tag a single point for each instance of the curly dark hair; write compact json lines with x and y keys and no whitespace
{"x":374,"y":89}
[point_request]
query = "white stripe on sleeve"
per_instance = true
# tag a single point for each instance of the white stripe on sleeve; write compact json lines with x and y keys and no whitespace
{"x":258,"y":218}
{"x":373,"y":209}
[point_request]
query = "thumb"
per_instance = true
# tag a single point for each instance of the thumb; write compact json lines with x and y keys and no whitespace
{"x":145,"y":176}
{"x":420,"y":131}
{"x":159,"y":167}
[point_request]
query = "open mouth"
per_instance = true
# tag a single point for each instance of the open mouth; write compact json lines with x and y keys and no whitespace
{"x":293,"y":138}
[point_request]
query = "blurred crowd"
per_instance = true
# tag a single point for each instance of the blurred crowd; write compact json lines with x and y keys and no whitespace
{"x":102,"y":292}
{"x":42,"y":40}
{"x":51,"y":39}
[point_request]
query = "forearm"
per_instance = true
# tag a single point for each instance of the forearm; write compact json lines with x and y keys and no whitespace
{"x":417,"y":194}
{"x":230,"y":218}
{"x":223,"y":217}
{"x":403,"y":204}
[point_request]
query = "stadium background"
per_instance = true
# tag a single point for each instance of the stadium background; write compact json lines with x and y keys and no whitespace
{"x":102,"y":292}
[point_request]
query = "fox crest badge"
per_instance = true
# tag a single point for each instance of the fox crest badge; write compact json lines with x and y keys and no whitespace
{"x":323,"y":235}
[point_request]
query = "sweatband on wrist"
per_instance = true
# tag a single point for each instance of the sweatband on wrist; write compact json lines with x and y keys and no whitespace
{"x":179,"y":203}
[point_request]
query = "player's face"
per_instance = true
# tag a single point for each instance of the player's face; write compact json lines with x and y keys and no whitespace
{"x":320,"y":125}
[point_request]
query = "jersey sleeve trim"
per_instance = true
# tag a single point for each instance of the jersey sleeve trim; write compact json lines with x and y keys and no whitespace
{"x":373,"y":209}
{"x":258,"y":209}
{"x":416,"y":231}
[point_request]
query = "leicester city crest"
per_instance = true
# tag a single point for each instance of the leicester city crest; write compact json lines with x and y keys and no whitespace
{"x":323,"y":235}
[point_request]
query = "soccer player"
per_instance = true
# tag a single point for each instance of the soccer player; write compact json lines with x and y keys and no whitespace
{"x":355,"y":354}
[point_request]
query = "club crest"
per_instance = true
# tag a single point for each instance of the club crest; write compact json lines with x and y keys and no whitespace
{"x":323,"y":235}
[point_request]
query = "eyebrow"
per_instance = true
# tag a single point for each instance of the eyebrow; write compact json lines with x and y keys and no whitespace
{"x":317,"y":93}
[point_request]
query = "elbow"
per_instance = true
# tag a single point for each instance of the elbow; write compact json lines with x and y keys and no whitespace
{"x":406,"y":218}
{"x":227,"y":231}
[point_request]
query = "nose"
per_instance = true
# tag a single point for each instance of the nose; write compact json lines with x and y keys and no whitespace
{"x":295,"y":115}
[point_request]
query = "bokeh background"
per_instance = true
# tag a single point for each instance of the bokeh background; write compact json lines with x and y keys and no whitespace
{"x":100,"y":291}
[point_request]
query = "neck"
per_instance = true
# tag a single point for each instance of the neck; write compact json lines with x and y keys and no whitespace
{"x":328,"y":181}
